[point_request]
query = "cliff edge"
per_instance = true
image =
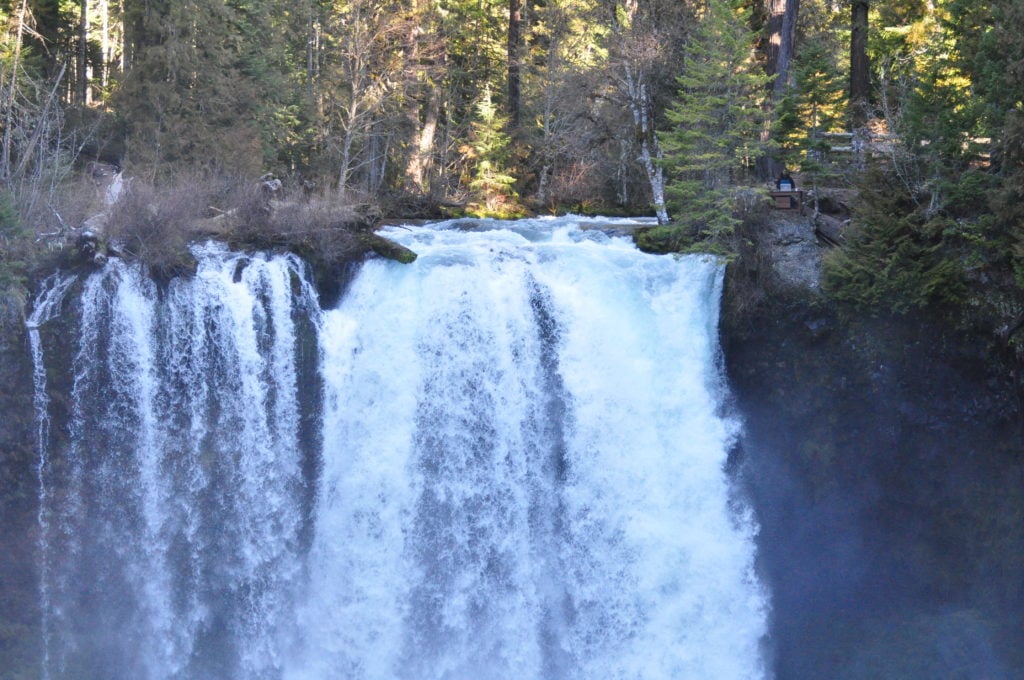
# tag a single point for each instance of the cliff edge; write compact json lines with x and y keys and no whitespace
{"x":882,"y":454}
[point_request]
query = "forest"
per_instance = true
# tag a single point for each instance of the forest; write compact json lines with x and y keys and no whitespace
{"x":685,"y":110}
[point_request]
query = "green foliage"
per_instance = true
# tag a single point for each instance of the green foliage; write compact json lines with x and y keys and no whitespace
{"x":942,"y":223}
{"x":894,"y":258}
{"x":997,"y":67}
{"x":814,"y":105}
{"x":664,"y":239}
{"x":716,"y":119}
{"x":941,"y":113}
{"x":491,"y":153}
{"x":187,"y":100}
{"x":14,"y":246}
{"x":266,"y":34}
{"x":746,"y":209}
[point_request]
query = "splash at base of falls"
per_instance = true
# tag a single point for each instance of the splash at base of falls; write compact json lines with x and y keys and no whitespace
{"x":504,"y":460}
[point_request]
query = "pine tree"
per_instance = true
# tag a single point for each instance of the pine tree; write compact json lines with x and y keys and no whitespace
{"x":716,"y":119}
{"x":186,"y":99}
{"x":812,"y":107}
{"x":491,"y":152}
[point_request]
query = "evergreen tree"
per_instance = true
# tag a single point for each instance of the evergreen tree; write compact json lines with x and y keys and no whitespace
{"x":14,"y":242}
{"x":894,"y":257}
{"x":491,"y":153}
{"x":271,"y":43}
{"x":186,"y":98}
{"x":812,"y":107}
{"x":994,"y":54}
{"x":716,"y":119}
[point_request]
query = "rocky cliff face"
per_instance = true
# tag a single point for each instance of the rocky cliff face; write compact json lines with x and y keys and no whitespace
{"x":18,"y":587}
{"x":884,"y":458}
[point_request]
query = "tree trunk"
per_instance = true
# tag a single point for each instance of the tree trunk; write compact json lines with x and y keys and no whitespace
{"x":423,"y":145}
{"x":860,"y":78}
{"x":425,"y":55}
{"x":778,"y":51}
{"x":650,"y":150}
{"x":515,"y":24}
{"x":775,"y":10}
{"x":542,"y":184}
{"x":346,"y":156}
{"x":82,"y":76}
{"x":787,"y":45}
{"x":105,"y":45}
{"x":779,"y":48}
{"x":311,"y":54}
{"x":12,"y":93}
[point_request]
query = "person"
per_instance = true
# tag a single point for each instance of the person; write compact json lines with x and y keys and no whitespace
{"x":785,"y":182}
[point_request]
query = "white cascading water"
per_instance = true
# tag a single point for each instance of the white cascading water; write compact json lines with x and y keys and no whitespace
{"x":177,"y":504}
{"x":517,"y":473}
{"x":48,"y":306}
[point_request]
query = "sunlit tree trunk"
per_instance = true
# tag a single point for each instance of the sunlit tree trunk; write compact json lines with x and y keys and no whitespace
{"x":425,"y":55}
{"x":418,"y":168}
{"x":787,"y":45}
{"x":778,"y":51}
{"x":779,"y":46}
{"x":650,"y":150}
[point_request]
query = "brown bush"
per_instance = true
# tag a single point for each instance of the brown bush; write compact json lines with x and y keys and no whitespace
{"x":312,"y":226}
{"x":155,"y":224}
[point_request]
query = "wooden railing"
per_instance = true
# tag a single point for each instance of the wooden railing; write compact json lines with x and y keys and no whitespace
{"x":859,"y":143}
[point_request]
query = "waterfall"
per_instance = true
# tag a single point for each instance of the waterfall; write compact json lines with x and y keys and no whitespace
{"x":176,"y":531}
{"x":48,"y":306}
{"x":502,"y":461}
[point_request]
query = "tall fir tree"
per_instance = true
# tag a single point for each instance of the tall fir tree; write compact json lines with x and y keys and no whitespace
{"x":186,"y":100}
{"x":813,"y":106}
{"x":491,"y":152}
{"x":715,"y":120}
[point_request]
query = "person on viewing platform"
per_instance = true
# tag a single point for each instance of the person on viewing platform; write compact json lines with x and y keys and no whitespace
{"x":785,"y":182}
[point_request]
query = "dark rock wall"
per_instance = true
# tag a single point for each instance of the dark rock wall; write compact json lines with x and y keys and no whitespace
{"x":884,"y":460}
{"x":19,"y":614}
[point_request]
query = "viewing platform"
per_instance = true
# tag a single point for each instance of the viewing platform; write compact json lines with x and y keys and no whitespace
{"x":788,"y":200}
{"x":786,"y":196}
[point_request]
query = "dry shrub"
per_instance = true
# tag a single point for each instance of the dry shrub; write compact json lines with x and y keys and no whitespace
{"x":329,"y":235}
{"x":575,"y":185}
{"x":81,"y":198}
{"x":265,"y":215}
{"x":156,"y":224}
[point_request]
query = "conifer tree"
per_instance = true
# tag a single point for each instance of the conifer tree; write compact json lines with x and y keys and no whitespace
{"x":716,"y":119}
{"x":491,"y":152}
{"x":186,"y":98}
{"x":812,"y":107}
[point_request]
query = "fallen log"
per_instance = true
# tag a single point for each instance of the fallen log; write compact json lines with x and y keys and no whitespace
{"x":387,"y":248}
